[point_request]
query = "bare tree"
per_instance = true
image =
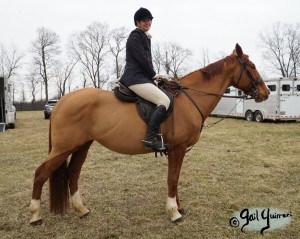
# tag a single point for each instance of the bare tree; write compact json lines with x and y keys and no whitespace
{"x":10,"y":60}
{"x":90,"y":47}
{"x":170,"y":58}
{"x":205,"y":57}
{"x":158,"y":58}
{"x":34,"y":81}
{"x":22,"y":92}
{"x":84,"y":78}
{"x":175,"y":58}
{"x":63,"y":75}
{"x":45,"y":51}
{"x":117,"y":44}
{"x":281,"y":46}
{"x":293,"y":44}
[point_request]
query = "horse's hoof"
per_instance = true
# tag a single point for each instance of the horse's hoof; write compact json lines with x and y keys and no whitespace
{"x":85,"y":214}
{"x":182,"y":212}
{"x":37,"y":222}
{"x":179,"y":221}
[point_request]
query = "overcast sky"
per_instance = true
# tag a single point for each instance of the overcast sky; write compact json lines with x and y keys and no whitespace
{"x":215,"y":25}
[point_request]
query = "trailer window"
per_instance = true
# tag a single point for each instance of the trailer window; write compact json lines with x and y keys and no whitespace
{"x":227,"y":91}
{"x":272,"y":87}
{"x":298,"y":87}
{"x":286,"y":87}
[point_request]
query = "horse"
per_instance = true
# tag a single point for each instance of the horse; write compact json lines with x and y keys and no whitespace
{"x":90,"y":114}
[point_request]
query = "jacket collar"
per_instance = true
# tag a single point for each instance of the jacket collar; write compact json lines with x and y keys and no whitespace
{"x":146,"y":33}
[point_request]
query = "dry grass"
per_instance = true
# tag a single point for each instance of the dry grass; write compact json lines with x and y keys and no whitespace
{"x":235,"y":165}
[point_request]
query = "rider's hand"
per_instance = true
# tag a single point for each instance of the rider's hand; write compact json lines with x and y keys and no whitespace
{"x":158,"y":77}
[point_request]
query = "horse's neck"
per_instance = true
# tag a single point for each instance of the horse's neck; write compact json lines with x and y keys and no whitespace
{"x":202,"y":89}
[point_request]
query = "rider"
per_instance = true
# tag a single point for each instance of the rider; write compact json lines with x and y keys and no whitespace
{"x":139,"y":75}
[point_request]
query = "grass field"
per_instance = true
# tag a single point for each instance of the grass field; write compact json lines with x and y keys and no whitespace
{"x":235,"y":165}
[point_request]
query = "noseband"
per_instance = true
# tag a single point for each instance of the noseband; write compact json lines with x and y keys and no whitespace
{"x":254,"y":83}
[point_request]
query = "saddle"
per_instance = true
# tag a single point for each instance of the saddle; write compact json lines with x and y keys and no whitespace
{"x":171,"y":88}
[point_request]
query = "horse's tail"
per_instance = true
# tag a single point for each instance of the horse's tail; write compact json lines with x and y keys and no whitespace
{"x":58,"y":185}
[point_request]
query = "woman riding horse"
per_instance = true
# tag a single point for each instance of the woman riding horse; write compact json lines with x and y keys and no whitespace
{"x":139,"y":75}
{"x":87,"y":115}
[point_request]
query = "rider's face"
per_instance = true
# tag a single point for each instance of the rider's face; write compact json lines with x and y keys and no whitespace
{"x":145,"y":24}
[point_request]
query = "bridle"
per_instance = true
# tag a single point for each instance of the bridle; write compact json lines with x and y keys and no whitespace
{"x":254,"y":83}
{"x":253,"y":93}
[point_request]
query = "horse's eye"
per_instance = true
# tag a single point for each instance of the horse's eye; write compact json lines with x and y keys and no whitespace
{"x":253,"y":66}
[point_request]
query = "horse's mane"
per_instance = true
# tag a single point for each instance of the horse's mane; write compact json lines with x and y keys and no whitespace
{"x":217,"y":67}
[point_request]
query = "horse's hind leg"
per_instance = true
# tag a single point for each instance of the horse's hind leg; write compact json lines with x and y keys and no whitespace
{"x":74,"y":168}
{"x":173,"y":206}
{"x":42,"y":174}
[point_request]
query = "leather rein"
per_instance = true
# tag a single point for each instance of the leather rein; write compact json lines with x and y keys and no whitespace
{"x":253,"y":94}
{"x":179,"y":88}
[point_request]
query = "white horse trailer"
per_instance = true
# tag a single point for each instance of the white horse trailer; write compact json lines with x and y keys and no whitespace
{"x":7,"y":110}
{"x":283,"y":103}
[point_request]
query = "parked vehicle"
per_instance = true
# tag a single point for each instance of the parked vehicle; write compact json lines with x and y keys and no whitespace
{"x":7,"y":110}
{"x":48,"y":108}
{"x":282,"y":105}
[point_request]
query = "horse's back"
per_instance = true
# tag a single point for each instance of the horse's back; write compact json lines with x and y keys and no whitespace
{"x":94,"y":114}
{"x":86,"y":106}
{"x":79,"y":100}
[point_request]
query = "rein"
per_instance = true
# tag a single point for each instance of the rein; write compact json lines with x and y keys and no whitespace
{"x":179,"y":88}
{"x":183,"y":90}
{"x":245,"y":96}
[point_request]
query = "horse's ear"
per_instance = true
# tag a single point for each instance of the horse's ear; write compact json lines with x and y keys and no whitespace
{"x":238,"y":50}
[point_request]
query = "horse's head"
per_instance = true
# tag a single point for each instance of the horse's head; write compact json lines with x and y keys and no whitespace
{"x":248,"y":79}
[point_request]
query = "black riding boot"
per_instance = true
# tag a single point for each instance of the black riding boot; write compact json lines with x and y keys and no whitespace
{"x":151,"y":140}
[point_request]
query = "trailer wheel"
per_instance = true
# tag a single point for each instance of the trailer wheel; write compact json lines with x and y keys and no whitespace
{"x":258,"y":117}
{"x":12,"y":125}
{"x":249,"y":115}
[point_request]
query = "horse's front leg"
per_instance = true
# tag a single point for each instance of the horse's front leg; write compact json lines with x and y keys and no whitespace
{"x":173,"y":206}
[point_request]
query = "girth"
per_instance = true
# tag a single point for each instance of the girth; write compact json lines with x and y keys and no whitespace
{"x":144,"y":107}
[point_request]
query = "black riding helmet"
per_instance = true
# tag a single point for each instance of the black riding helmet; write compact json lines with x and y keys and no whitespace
{"x":141,"y":14}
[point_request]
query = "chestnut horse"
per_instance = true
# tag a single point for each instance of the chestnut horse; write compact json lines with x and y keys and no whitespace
{"x":86,"y":115}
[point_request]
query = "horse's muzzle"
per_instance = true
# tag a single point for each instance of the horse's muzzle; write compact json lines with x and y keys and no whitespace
{"x":258,"y":97}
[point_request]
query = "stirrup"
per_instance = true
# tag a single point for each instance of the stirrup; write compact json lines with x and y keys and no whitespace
{"x":156,"y":144}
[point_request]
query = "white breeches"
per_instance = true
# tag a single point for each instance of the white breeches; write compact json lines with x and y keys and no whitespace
{"x":151,"y":93}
